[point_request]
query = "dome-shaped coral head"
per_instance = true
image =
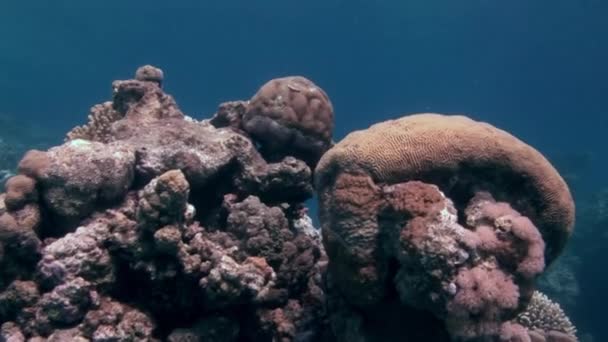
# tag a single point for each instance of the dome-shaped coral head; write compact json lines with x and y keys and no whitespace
{"x":463,"y":157}
{"x":290,"y":116}
{"x":150,"y":73}
{"x":458,"y":216}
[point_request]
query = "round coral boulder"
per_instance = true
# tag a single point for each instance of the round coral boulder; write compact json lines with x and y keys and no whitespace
{"x":461,"y":156}
{"x":290,"y":116}
{"x":442,"y":214}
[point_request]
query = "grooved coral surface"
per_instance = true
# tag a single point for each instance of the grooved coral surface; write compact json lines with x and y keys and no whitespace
{"x":442,"y":214}
{"x":459,"y":155}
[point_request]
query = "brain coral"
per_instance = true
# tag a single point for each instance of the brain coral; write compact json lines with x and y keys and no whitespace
{"x":291,"y":115}
{"x":461,"y":156}
{"x":443,"y":214}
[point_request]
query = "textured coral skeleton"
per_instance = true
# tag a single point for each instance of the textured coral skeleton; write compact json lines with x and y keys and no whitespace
{"x":148,"y":225}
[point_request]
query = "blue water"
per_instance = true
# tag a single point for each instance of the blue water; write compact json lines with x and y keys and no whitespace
{"x":538,"y":69}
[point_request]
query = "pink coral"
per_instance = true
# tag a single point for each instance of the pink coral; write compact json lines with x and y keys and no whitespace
{"x":513,"y":332}
{"x":504,"y":232}
{"x":489,"y":293}
{"x":483,"y":294}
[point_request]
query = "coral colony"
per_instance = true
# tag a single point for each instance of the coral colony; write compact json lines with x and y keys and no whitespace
{"x":148,"y":225}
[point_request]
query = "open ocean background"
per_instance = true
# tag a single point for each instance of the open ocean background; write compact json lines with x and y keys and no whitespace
{"x":538,"y":69}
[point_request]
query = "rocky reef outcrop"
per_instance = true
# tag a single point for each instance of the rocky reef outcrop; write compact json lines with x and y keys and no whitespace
{"x":149,"y":225}
{"x":441,"y":214}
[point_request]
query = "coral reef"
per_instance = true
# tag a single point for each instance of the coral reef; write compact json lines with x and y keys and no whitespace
{"x":148,"y":225}
{"x":421,"y":211}
{"x":101,"y":118}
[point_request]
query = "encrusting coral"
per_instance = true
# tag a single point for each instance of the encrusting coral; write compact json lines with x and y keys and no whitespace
{"x":546,"y":318}
{"x":148,"y":225}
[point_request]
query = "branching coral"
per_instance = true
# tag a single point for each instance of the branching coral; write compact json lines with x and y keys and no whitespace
{"x":545,"y":317}
{"x":99,"y":127}
{"x":140,"y":98}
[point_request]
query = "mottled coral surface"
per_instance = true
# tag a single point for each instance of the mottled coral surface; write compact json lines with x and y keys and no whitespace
{"x":149,"y":225}
{"x":460,"y":155}
{"x":287,"y":116}
{"x":441,"y":214}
